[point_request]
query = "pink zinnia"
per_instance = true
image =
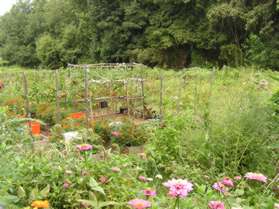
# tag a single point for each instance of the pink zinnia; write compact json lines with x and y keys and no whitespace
{"x":178,"y":187}
{"x":276,"y":205}
{"x":149,"y":192}
{"x":66,"y":185}
{"x":139,"y":204}
{"x":115,"y":133}
{"x":143,"y":178}
{"x":256,"y":176}
{"x":84,"y":147}
{"x":216,"y":205}
{"x":219,"y":187}
{"x":227,"y":182}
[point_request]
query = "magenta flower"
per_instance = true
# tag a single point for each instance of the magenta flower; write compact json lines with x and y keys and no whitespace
{"x":115,"y":134}
{"x":84,"y":147}
{"x":256,"y":177}
{"x":143,"y":178}
{"x":139,"y":204}
{"x":220,"y":187}
{"x":178,"y":187}
{"x":150,"y":192}
{"x":115,"y":169}
{"x":216,"y":205}
{"x":66,"y":185}
{"x":227,"y":182}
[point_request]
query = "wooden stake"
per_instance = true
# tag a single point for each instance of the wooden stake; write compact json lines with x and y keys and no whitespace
{"x":142,"y":94}
{"x":25,"y":87}
{"x":127,"y":97}
{"x":161,"y":97}
{"x":57,"y":83}
{"x":86,"y":95}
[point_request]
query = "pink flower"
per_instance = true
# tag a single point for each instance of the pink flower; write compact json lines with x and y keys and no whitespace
{"x":237,"y":178}
{"x":276,"y":205}
{"x":115,"y":134}
{"x":143,"y":178}
{"x":66,"y":185}
{"x":227,"y":182}
{"x":149,"y":192}
{"x":84,"y":147}
{"x":216,"y":205}
{"x":178,"y":187}
{"x":103,"y":180}
{"x":256,"y":176}
{"x":139,"y":204}
{"x":115,"y":169}
{"x":220,"y":187}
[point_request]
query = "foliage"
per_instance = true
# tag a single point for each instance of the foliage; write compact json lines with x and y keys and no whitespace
{"x":157,"y":33}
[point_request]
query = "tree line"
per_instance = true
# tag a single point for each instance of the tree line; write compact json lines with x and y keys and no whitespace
{"x":167,"y":33}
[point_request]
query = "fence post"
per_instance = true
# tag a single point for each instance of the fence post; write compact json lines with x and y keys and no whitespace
{"x":57,"y":84}
{"x":25,"y":87}
{"x":161,"y":97}
{"x":142,"y":94}
{"x":87,"y":101}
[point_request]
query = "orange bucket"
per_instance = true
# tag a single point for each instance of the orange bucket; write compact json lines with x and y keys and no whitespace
{"x":35,"y":128}
{"x":77,"y":115}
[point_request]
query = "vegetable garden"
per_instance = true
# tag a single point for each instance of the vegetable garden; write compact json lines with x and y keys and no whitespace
{"x":117,"y":137}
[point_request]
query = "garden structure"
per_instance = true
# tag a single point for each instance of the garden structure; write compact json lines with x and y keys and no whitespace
{"x":112,"y":97}
{"x":82,"y":95}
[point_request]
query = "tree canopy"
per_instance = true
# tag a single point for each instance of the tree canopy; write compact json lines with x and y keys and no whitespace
{"x":168,"y":33}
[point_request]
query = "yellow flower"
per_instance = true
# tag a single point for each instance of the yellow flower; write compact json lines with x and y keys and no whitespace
{"x":40,"y":204}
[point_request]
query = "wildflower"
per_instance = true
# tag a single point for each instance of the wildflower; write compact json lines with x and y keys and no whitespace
{"x":158,"y":176}
{"x":66,"y":185}
{"x":103,"y":179}
{"x":237,"y":178}
{"x":139,"y":204}
{"x":276,"y":205}
{"x":84,"y":147}
{"x":149,"y":179}
{"x":40,"y":204}
{"x":178,"y":187}
{"x":115,"y":169}
{"x":256,"y":176}
{"x":116,"y":134}
{"x":227,"y":182}
{"x":150,"y":192}
{"x":219,"y":187}
{"x":216,"y":205}
{"x":143,"y":178}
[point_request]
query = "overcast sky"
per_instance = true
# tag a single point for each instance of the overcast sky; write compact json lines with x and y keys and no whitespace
{"x":5,"y":5}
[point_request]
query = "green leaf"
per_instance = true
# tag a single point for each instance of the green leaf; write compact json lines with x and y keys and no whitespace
{"x":44,"y":193}
{"x":21,"y":192}
{"x":95,"y":186}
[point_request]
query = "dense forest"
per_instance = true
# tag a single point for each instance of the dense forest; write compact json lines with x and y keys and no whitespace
{"x":166,"y":33}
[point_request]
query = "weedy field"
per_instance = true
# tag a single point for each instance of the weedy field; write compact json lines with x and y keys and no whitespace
{"x":139,"y":138}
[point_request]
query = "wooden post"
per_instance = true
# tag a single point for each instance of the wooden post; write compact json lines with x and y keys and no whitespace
{"x":142,"y":94}
{"x":161,"y":97}
{"x":57,"y":84}
{"x":127,"y":96}
{"x":86,"y":95}
{"x":112,"y":108}
{"x":25,"y":87}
